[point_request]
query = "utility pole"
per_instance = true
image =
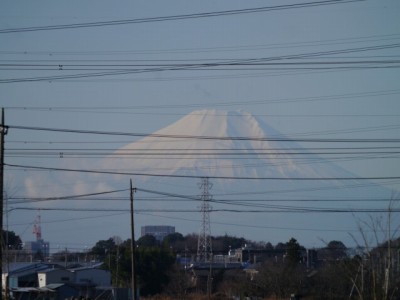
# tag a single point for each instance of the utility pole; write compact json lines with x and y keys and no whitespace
{"x":134,"y":296}
{"x":3,"y":132}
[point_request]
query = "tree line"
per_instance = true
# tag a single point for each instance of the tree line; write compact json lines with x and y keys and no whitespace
{"x":331,"y":272}
{"x":335,"y":272}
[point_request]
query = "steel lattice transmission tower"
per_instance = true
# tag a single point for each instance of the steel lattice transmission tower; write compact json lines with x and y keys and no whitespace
{"x":204,"y":247}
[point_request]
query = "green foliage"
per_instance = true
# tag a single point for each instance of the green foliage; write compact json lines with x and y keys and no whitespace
{"x":279,"y":276}
{"x":174,"y":240}
{"x":103,"y":248}
{"x":147,"y":241}
{"x":227,"y":242}
{"x":152,"y":263}
{"x":14,"y":241}
{"x":293,"y":251}
{"x":152,"y":268}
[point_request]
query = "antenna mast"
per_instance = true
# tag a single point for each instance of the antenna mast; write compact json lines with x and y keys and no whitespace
{"x":204,"y":248}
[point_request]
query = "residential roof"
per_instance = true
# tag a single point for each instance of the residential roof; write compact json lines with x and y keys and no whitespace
{"x":92,"y":266}
{"x":28,"y":268}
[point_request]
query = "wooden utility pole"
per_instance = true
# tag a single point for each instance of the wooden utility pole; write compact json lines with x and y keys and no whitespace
{"x":134,"y":295}
{"x":3,"y":132}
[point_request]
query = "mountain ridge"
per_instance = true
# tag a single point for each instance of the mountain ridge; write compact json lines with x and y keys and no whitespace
{"x":253,"y":156}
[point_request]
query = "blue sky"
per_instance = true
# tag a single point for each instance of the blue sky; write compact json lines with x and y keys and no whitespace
{"x":306,"y":99}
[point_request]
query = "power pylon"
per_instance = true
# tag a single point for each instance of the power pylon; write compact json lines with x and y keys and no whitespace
{"x":204,"y":247}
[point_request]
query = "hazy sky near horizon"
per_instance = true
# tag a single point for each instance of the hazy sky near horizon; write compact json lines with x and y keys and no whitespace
{"x":316,"y":71}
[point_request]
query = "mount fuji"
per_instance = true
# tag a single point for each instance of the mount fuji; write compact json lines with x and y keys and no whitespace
{"x":211,"y":143}
{"x":258,"y":192}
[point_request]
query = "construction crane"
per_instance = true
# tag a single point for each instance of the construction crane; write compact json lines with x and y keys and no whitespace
{"x":37,"y":229}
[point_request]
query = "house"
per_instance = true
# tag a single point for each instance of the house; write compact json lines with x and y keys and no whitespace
{"x":50,"y":276}
{"x":24,"y":274}
{"x":91,"y":275}
{"x":55,"y":291}
{"x":45,"y":280}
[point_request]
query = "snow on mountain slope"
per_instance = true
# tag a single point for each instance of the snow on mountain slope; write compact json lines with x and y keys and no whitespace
{"x":218,"y":143}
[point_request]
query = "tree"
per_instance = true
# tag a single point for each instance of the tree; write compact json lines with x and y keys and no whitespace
{"x":153,"y":265}
{"x":376,"y":277}
{"x":232,"y":242}
{"x":12,"y":240}
{"x":280,"y":279}
{"x":103,"y":248}
{"x":147,"y":241}
{"x":172,"y":238}
{"x":332,"y":280}
{"x":175,"y":241}
{"x":334,"y":250}
{"x":293,"y":251}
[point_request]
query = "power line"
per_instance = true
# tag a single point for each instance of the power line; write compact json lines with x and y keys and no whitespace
{"x":107,"y":109}
{"x":25,"y":200}
{"x":133,"y":67}
{"x":206,"y":66}
{"x":177,"y":17}
{"x":58,"y":220}
{"x":199,"y":176}
{"x":176,"y":136}
{"x":270,"y":210}
{"x":179,"y":154}
{"x":223,"y":150}
{"x":250,"y":225}
{"x":79,"y":195}
{"x":192,"y":220}
{"x":319,"y":42}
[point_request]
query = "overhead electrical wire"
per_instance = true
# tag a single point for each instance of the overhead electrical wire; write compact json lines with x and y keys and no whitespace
{"x":204,"y":137}
{"x":243,"y":66}
{"x":249,"y":203}
{"x":201,"y":176}
{"x":302,"y":161}
{"x":268,"y":208}
{"x":182,"y":197}
{"x":111,"y":109}
{"x":80,"y":195}
{"x":182,"y":153}
{"x":177,"y":17}
{"x":190,"y":220}
{"x":249,"y":225}
{"x":288,"y":45}
{"x":207,"y":153}
{"x":202,"y":66}
{"x":27,"y":200}
{"x":272,"y":210}
{"x":160,"y":150}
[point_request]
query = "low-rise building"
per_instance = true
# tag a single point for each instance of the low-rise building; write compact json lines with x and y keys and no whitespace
{"x":31,"y":280}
